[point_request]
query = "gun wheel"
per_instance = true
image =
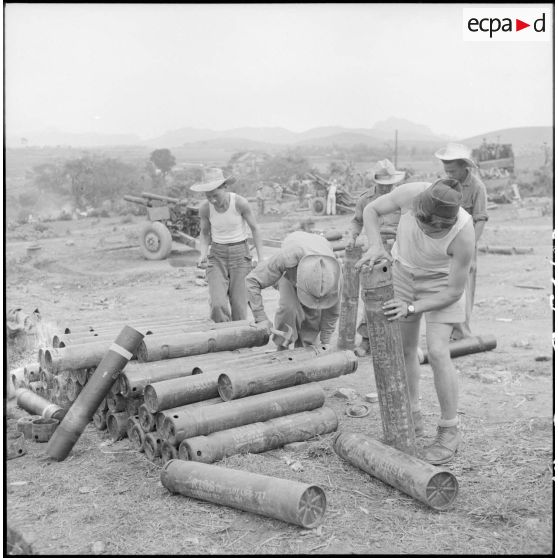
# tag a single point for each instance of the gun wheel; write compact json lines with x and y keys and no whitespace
{"x":155,"y":241}
{"x":318,"y":206}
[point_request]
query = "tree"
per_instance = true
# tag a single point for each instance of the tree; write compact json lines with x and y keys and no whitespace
{"x":163,"y":160}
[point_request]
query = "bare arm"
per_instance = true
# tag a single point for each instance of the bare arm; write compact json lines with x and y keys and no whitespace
{"x":205,"y":231}
{"x":245,"y":210}
{"x":266,"y":274}
{"x":399,"y":199}
{"x":479,"y":228}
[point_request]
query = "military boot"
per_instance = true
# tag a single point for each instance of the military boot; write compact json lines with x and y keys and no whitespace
{"x":444,"y":446}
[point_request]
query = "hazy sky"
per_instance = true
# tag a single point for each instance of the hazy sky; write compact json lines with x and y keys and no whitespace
{"x":149,"y":68}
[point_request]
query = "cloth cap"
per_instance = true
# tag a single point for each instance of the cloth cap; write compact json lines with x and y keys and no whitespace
{"x":213,"y":178}
{"x":442,"y":198}
{"x":385,"y":173}
{"x":318,"y":281}
{"x":454,"y":152}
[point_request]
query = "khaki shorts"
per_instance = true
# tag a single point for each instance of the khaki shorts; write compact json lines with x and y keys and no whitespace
{"x":412,"y":285}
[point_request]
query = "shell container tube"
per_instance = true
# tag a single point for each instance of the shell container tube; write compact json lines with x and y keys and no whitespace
{"x":433,"y":485}
{"x":293,"y":502}
{"x":97,"y":388}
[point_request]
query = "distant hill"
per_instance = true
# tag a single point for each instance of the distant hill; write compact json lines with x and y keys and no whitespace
{"x":54,"y":137}
{"x":529,"y":137}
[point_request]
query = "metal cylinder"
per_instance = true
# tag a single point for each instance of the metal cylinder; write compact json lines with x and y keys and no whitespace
{"x":81,"y":412}
{"x":130,"y":423}
{"x":259,"y":436}
{"x":137,"y":375}
{"x":116,"y":425}
{"x":32,"y":373}
{"x":290,"y":501}
{"x":15,"y":445}
{"x":146,"y":418}
{"x":136,"y":435}
{"x":79,"y":356}
{"x":133,"y":405}
{"x":214,"y":362}
{"x":42,"y":429}
{"x":37,"y":405}
{"x":160,"y":347}
{"x":229,"y":414}
{"x":168,"y":452}
{"x":180,"y":391}
{"x":73,"y":389}
{"x":349,"y":299}
{"x":162,"y":415}
{"x":116,"y":402}
{"x":24,"y":425}
{"x":434,"y":486}
{"x":386,"y":348}
{"x":467,"y":346}
{"x":152,"y":445}
{"x":254,"y":380}
{"x":115,"y":326}
{"x":100,"y":419}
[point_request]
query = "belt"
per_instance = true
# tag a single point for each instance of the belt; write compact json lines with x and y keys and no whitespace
{"x":230,"y":243}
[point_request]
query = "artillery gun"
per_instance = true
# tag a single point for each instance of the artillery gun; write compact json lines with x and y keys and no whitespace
{"x":169,"y":219}
{"x":345,"y":203}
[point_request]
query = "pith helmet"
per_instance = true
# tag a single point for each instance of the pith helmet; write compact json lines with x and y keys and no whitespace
{"x":318,"y":281}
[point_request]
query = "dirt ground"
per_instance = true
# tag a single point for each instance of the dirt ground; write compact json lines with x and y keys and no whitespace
{"x":106,"y":498}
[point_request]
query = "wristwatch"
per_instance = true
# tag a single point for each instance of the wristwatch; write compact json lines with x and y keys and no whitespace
{"x":410,"y":309}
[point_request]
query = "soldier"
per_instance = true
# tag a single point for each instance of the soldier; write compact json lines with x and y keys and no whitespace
{"x":309,"y":280}
{"x":386,"y":177}
{"x":224,"y":246}
{"x":431,"y":257}
{"x":459,"y":165}
{"x":331,"y":202}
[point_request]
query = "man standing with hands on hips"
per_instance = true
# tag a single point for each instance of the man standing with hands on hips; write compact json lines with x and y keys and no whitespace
{"x":431,"y":258}
{"x":224,"y":246}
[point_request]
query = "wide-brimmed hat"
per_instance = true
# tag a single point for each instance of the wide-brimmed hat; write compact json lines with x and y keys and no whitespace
{"x":318,"y":281}
{"x":385,"y":173}
{"x":442,"y":199}
{"x":455,"y":152}
{"x":213,"y":178}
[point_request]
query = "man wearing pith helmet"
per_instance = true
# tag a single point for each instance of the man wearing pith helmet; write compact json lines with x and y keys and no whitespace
{"x":386,"y":177}
{"x":224,"y":217}
{"x":459,"y":165}
{"x":309,"y":280}
{"x":431,"y":257}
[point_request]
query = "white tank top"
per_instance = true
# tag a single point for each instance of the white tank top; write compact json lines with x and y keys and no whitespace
{"x":227,"y":227}
{"x":414,"y":249}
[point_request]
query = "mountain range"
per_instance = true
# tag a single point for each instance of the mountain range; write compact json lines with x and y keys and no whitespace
{"x":277,"y":137}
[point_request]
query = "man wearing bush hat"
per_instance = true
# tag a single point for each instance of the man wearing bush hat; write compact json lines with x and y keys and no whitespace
{"x":386,"y":177}
{"x":224,"y":217}
{"x":459,"y":165}
{"x":431,"y":258}
{"x":309,"y":279}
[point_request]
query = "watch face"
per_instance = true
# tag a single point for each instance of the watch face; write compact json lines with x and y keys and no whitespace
{"x":410,"y":309}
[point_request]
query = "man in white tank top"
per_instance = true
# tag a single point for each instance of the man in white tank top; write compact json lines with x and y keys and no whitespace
{"x":431,"y":257}
{"x":224,"y":246}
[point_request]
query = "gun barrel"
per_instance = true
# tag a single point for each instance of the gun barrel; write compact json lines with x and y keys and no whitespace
{"x":150,"y":196}
{"x":136,"y":199}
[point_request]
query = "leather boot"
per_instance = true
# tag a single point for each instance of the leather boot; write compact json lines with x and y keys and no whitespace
{"x":444,"y":446}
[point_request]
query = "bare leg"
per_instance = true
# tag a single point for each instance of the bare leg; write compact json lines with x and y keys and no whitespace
{"x":410,"y":337}
{"x":445,"y":377}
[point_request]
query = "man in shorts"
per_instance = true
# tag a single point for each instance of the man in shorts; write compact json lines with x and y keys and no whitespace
{"x":431,"y":257}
